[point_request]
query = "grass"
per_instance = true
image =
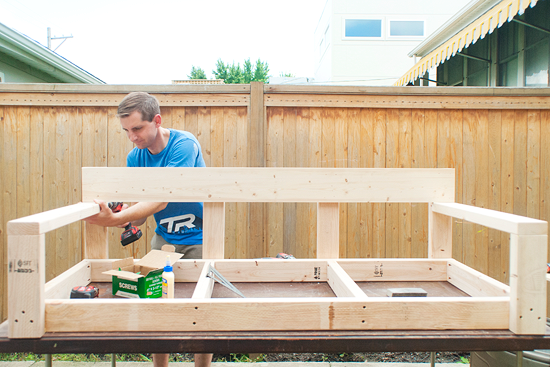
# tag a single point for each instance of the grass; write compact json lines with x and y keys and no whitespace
{"x":176,"y":357}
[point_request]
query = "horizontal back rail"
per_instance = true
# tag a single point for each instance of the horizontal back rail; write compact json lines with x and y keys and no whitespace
{"x":236,"y":184}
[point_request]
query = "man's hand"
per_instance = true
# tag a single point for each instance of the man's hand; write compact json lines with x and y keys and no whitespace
{"x":137,"y":214}
{"x":105,"y":217}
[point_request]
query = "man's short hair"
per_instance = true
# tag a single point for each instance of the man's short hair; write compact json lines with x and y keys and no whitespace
{"x":142,"y":102}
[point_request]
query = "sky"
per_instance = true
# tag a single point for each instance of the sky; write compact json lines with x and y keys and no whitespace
{"x":155,"y":42}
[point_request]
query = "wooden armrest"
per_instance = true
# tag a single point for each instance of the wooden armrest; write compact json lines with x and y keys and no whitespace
{"x":48,"y":221}
{"x":506,"y":222}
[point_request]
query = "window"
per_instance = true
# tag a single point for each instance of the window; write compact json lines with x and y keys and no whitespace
{"x":363,"y":28}
{"x":404,"y":28}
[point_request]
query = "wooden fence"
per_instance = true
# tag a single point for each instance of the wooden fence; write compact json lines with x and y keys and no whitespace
{"x":494,"y":138}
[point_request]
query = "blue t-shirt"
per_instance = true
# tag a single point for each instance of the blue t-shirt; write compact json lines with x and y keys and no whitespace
{"x":178,"y":223}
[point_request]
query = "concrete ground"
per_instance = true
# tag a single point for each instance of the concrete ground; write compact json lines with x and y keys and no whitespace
{"x":228,"y":364}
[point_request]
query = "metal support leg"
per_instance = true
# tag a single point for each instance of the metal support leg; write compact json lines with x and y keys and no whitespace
{"x":48,"y":360}
{"x":432,"y":359}
{"x":113,"y":360}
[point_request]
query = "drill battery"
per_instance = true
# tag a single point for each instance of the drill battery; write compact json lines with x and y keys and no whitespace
{"x":131,"y":233}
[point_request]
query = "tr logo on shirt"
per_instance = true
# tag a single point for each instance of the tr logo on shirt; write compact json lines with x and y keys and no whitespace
{"x":174,"y":224}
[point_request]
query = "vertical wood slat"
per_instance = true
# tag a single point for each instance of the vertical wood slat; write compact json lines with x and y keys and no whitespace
{"x":494,"y":164}
{"x":328,"y":228}
{"x":26,"y":275}
{"x":528,"y":284}
{"x":440,"y":237}
{"x":213,"y":231}
{"x":3,"y":220}
{"x":256,"y":158}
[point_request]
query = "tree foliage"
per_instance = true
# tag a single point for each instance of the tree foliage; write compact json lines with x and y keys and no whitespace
{"x":235,"y":74}
{"x":197,"y":73}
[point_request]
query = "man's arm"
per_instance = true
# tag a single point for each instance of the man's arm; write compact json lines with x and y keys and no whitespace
{"x":137,"y":214}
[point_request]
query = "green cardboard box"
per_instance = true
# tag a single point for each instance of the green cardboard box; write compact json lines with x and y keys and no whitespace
{"x":142,"y":278}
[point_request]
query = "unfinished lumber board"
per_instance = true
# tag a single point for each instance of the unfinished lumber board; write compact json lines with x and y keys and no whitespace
{"x":235,"y":314}
{"x":273,"y":270}
{"x":213,"y":231}
{"x":26,"y":278}
{"x":96,"y":242}
{"x":473,"y":282}
{"x":328,"y":230}
{"x":440,"y":235}
{"x":389,"y":270}
{"x":52,"y":219}
{"x":528,"y":284}
{"x":205,"y":284}
{"x":506,"y":222}
{"x":253,"y":184}
{"x":341,"y":283}
{"x":60,"y":286}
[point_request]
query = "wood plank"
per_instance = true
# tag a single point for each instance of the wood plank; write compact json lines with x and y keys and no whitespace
{"x":507,"y":182}
{"x":274,"y":158}
{"x":528,"y":284}
{"x":60,"y":287}
{"x":341,"y":283}
{"x":205,"y":284}
{"x":96,"y":242}
{"x":52,"y":219}
{"x":404,"y":161}
{"x":533,"y":163}
{"x":469,"y":184}
{"x":23,"y":191}
{"x":420,"y":148}
{"x":390,"y":270}
{"x":203,"y":134}
{"x":354,"y":225}
{"x":50,"y":183}
{"x":242,"y":214}
{"x":74,"y":116}
{"x":289,"y":160}
{"x":26,"y":278}
{"x":545,"y":182}
{"x":230,"y":160}
{"x":440,"y":240}
{"x":366,"y":160}
{"x":217,"y":136}
{"x":481,"y":261}
{"x":379,"y":160}
{"x":245,"y":184}
{"x":328,"y":228}
{"x":473,"y":282}
{"x":340,"y":161}
{"x":509,"y":223}
{"x":392,"y":161}
{"x":62,"y":169}
{"x":494,"y":142}
{"x":373,"y":313}
{"x":315,"y":160}
{"x":303,"y":152}
{"x":273,"y":270}
{"x":213,"y":230}
{"x":405,"y":101}
{"x":520,"y":159}
{"x":256,"y":158}
{"x":113,"y":100}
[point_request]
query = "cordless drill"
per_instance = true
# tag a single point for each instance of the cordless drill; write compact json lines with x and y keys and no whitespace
{"x":131,"y":233}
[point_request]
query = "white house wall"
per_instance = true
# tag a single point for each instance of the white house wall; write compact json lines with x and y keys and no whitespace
{"x":373,"y":61}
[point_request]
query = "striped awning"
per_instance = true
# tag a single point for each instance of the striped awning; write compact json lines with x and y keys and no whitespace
{"x":501,"y":13}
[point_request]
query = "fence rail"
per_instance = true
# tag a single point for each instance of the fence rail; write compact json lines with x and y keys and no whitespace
{"x":494,"y":138}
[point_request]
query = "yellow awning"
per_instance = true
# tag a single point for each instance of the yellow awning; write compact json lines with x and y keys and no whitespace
{"x":504,"y":11}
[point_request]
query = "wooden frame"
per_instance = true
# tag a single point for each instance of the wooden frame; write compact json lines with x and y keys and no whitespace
{"x":36,"y":308}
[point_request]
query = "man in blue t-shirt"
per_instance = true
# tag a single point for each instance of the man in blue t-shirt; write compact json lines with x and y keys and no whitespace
{"x":178,"y":224}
